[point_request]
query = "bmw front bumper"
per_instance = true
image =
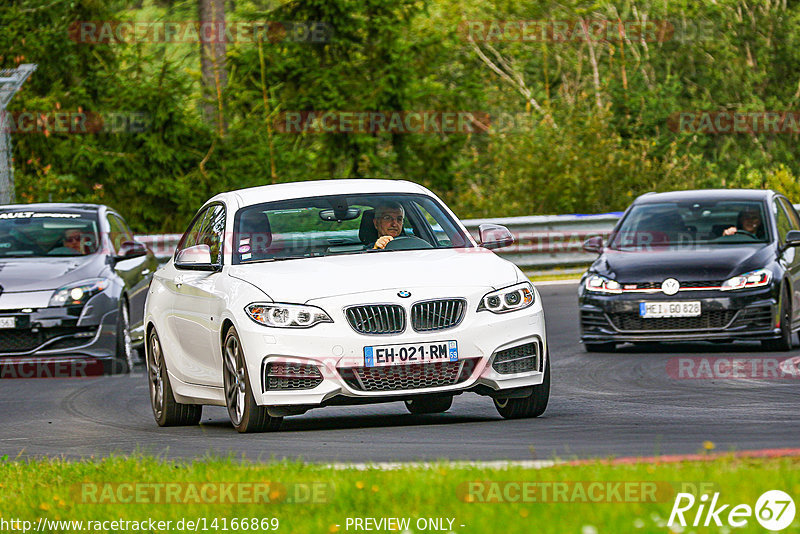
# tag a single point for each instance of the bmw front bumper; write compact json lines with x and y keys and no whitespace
{"x":489,"y":347}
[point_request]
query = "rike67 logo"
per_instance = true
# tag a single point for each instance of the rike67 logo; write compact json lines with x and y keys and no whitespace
{"x":774,"y":510}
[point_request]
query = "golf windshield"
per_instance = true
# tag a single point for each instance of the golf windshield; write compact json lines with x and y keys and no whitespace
{"x":686,"y":224}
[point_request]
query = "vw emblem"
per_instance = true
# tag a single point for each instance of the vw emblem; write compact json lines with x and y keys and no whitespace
{"x":670,"y":286}
{"x":403,"y":294}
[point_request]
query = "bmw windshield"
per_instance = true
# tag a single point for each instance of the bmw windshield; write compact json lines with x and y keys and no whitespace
{"x":690,"y":224}
{"x":25,"y":234}
{"x":333,"y":225}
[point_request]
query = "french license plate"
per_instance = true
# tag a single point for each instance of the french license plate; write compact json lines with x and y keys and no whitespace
{"x":650,"y":310}
{"x":410,"y":353}
{"x":8,"y":322}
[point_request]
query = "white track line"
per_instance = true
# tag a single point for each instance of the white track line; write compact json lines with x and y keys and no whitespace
{"x":396,"y":466}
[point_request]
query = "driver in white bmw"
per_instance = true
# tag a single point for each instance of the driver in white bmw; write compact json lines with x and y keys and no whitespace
{"x":389,"y":223}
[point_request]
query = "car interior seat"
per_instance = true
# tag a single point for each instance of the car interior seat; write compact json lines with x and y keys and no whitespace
{"x":254,"y":225}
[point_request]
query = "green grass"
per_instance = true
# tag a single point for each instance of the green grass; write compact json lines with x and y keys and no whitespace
{"x":308,"y":498}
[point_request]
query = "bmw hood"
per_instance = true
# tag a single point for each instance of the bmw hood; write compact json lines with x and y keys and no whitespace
{"x":302,"y":280}
{"x":40,"y":274}
{"x":700,"y":265}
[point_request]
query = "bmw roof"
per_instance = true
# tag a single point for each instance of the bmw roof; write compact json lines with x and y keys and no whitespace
{"x":315,"y":188}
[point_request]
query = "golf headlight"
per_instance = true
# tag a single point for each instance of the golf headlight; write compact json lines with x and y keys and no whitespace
{"x":761,"y":277}
{"x":78,"y":293}
{"x":287,"y":315}
{"x":601,"y":284}
{"x":509,"y":299}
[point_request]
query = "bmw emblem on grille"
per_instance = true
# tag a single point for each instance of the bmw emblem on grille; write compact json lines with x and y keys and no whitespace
{"x":403,"y":294}
{"x":670,"y":286}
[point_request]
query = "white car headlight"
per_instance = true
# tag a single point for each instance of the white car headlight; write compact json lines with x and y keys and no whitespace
{"x":78,"y":293}
{"x":509,"y":299}
{"x":601,"y":284}
{"x":287,"y":315}
{"x":761,"y":277}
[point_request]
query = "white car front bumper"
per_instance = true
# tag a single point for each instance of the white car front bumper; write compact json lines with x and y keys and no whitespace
{"x":335,"y":349}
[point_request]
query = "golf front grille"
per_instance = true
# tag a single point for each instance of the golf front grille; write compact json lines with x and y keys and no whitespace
{"x":377,"y":318}
{"x":434,"y":315}
{"x":416,"y":376}
{"x":291,"y":376}
{"x":521,"y":359}
{"x":710,"y":320}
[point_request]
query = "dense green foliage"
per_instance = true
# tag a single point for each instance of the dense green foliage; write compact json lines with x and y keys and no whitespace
{"x":592,"y":127}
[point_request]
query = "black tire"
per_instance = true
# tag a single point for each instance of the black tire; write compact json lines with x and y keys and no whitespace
{"x":784,"y":342}
{"x":166,"y":410}
{"x":422,"y":405}
{"x":245,"y":414}
{"x":533,"y":405}
{"x":124,"y":356}
{"x":600,"y":347}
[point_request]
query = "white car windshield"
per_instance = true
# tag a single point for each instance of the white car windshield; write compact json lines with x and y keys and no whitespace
{"x":32,"y":233}
{"x":333,"y":225}
{"x":694,"y":223}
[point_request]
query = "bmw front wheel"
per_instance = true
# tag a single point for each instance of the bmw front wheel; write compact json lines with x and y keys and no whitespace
{"x":533,"y":405}
{"x":245,"y":414}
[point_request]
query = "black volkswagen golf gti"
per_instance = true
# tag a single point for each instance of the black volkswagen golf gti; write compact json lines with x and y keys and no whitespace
{"x":712,"y":265}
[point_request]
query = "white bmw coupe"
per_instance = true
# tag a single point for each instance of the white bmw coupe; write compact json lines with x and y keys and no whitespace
{"x":288,"y":297}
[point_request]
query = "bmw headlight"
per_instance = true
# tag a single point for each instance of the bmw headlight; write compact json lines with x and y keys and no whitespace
{"x":509,"y":299}
{"x":78,"y":293}
{"x":601,"y":284}
{"x":761,"y":277}
{"x":287,"y":315}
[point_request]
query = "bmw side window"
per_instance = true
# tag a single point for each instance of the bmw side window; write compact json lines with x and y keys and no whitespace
{"x":213,"y":232}
{"x":783,"y":223}
{"x":189,"y":239}
{"x":208,"y":228}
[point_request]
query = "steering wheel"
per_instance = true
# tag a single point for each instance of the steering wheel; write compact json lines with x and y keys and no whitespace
{"x":407,"y":243}
{"x":738,"y":232}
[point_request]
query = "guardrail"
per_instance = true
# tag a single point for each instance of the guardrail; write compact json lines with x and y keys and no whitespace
{"x":541,"y":241}
{"x":548,"y":241}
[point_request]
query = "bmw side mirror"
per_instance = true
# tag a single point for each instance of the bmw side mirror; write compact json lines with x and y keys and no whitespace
{"x":196,"y":258}
{"x":495,"y":236}
{"x":594,"y":244}
{"x":792,"y":239}
{"x":131,"y":249}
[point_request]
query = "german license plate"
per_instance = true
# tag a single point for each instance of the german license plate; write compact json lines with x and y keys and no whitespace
{"x":410,"y":353}
{"x":651,"y":310}
{"x":8,"y":322}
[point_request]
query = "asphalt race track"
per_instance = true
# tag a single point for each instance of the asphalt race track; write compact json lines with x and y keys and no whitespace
{"x":622,"y":404}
